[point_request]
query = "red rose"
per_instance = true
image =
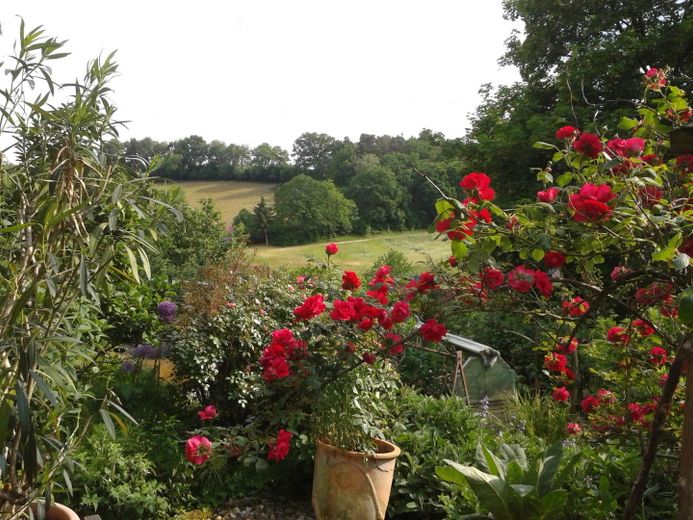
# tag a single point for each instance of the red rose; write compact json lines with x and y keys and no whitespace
{"x":658,"y":356}
{"x":310,"y":308}
{"x":331,"y":249}
{"x":433,"y":331}
{"x":479,"y":182}
{"x":650,"y":195}
{"x":208,"y":413}
{"x":687,"y":247}
{"x":365,"y":324}
{"x":618,"y":272}
{"x":555,"y":362}
{"x":655,"y":79}
{"x":521,"y":279}
{"x":643,"y":328}
{"x":198,"y":449}
{"x":567,"y":348}
{"x":350,"y":281}
{"x":566,"y":132}
{"x":653,"y":293}
{"x":589,"y":204}
{"x":444,"y":224}
{"x":452,"y":261}
{"x":342,"y":311}
{"x":588,"y":145}
{"x":554,"y":259}
{"x":685,"y":163}
{"x":368,"y":357}
{"x":543,"y":283}
{"x":576,"y":307}
{"x":393,"y":342}
{"x":281,"y":446}
{"x":617,"y":335}
{"x":548,"y":195}
{"x":573,"y":428}
{"x":399,"y":312}
{"x":492,"y":278}
{"x":626,"y":147}
{"x":589,"y":404}
{"x":560,"y":394}
{"x":423,"y":283}
{"x":273,"y":366}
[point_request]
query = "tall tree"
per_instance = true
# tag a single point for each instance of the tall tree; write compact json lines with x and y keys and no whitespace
{"x":264,"y":217}
{"x":312,"y":153}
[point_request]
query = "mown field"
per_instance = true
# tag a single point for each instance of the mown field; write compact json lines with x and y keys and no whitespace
{"x":357,"y":253}
{"x":230,"y":197}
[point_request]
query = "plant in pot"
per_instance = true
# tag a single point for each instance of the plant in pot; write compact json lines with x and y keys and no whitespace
{"x":66,"y":226}
{"x":325,"y":378}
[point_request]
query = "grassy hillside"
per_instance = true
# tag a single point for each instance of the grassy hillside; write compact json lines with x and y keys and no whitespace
{"x":358,"y":253}
{"x":229,"y":196}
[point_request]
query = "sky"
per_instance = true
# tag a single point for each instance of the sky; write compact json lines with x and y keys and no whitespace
{"x":253,"y":71}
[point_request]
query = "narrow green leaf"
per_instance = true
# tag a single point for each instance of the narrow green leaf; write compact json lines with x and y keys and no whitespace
{"x":133,"y":264}
{"x":108,"y":422}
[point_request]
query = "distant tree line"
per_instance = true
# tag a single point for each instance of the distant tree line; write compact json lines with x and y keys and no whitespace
{"x":330,"y":187}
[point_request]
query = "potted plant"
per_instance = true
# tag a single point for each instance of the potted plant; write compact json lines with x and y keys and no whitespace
{"x":323,"y":377}
{"x":63,"y":204}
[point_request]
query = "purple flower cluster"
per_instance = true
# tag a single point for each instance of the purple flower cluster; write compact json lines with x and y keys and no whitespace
{"x":143,"y":351}
{"x":128,"y":367}
{"x":167,"y":311}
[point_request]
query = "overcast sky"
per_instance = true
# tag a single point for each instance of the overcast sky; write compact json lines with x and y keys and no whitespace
{"x":255,"y":71}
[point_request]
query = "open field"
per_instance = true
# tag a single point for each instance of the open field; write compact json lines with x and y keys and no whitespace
{"x":357,"y":253}
{"x":230,"y":197}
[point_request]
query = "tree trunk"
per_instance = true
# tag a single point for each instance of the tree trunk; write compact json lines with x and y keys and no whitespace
{"x":686,"y":461}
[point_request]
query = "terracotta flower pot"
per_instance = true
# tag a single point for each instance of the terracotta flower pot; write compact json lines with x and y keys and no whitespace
{"x":348,"y":485}
{"x":59,"y":512}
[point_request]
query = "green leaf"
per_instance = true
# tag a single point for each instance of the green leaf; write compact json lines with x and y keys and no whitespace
{"x":548,"y":468}
{"x":134,"y":269}
{"x":628,"y":123}
{"x":522,"y":489}
{"x":489,"y":489}
{"x":108,"y":422}
{"x":23,"y":410}
{"x":83,"y":275}
{"x":537,"y":254}
{"x":458,"y":249}
{"x":45,"y":389}
{"x":564,"y":179}
{"x":541,"y":145}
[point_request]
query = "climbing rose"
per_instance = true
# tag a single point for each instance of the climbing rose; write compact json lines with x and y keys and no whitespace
{"x":548,"y":195}
{"x":655,"y":78}
{"x":433,"y":331}
{"x":588,"y":145}
{"x":590,"y":203}
{"x":350,"y":281}
{"x":198,"y":449}
{"x":368,"y":357}
{"x":555,"y":362}
{"x":560,"y":394}
{"x":554,"y":259}
{"x":658,"y":356}
{"x":567,"y":348}
{"x":423,"y":283}
{"x":281,"y":446}
{"x":207,"y":413}
{"x":167,"y":311}
{"x":393,"y":342}
{"x":617,"y":335}
{"x":521,"y":279}
{"x":626,"y":147}
{"x":650,"y":195}
{"x":566,"y":132}
{"x":619,"y":271}
{"x":342,"y":311}
{"x":492,"y":278}
{"x":399,"y":312}
{"x":590,"y":403}
{"x":310,"y":308}
{"x":331,"y":249}
{"x":573,"y":428}
{"x":274,"y":364}
{"x":480,"y":182}
{"x":576,"y":307}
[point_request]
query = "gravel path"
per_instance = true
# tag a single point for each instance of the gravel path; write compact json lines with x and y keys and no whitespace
{"x":263,"y":509}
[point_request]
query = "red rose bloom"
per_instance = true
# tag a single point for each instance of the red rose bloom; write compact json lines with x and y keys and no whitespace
{"x":492,"y":278}
{"x":658,"y":356}
{"x":281,"y":446}
{"x":589,"y":404}
{"x":619,"y":271}
{"x":626,"y":147}
{"x":479,"y":182}
{"x":350,"y":281}
{"x":655,"y":79}
{"x":452,"y":261}
{"x":554,"y":259}
{"x":208,"y":413}
{"x":198,"y":449}
{"x":588,"y":145}
{"x":331,"y":249}
{"x":521,"y":279}
{"x":548,"y":195}
{"x":560,"y":394}
{"x":573,"y":428}
{"x":310,"y":308}
{"x":343,"y":311}
{"x":543,"y":283}
{"x":365,"y":324}
{"x":576,"y":307}
{"x":590,"y":203}
{"x":566,"y":132}
{"x":368,"y":357}
{"x":433,"y":331}
{"x":444,"y":224}
{"x":650,"y":195}
{"x":567,"y":348}
{"x":555,"y":362}
{"x":685,"y":163}
{"x":617,"y":335}
{"x":399,"y":312}
{"x":643,"y":328}
{"x":423,"y":283}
